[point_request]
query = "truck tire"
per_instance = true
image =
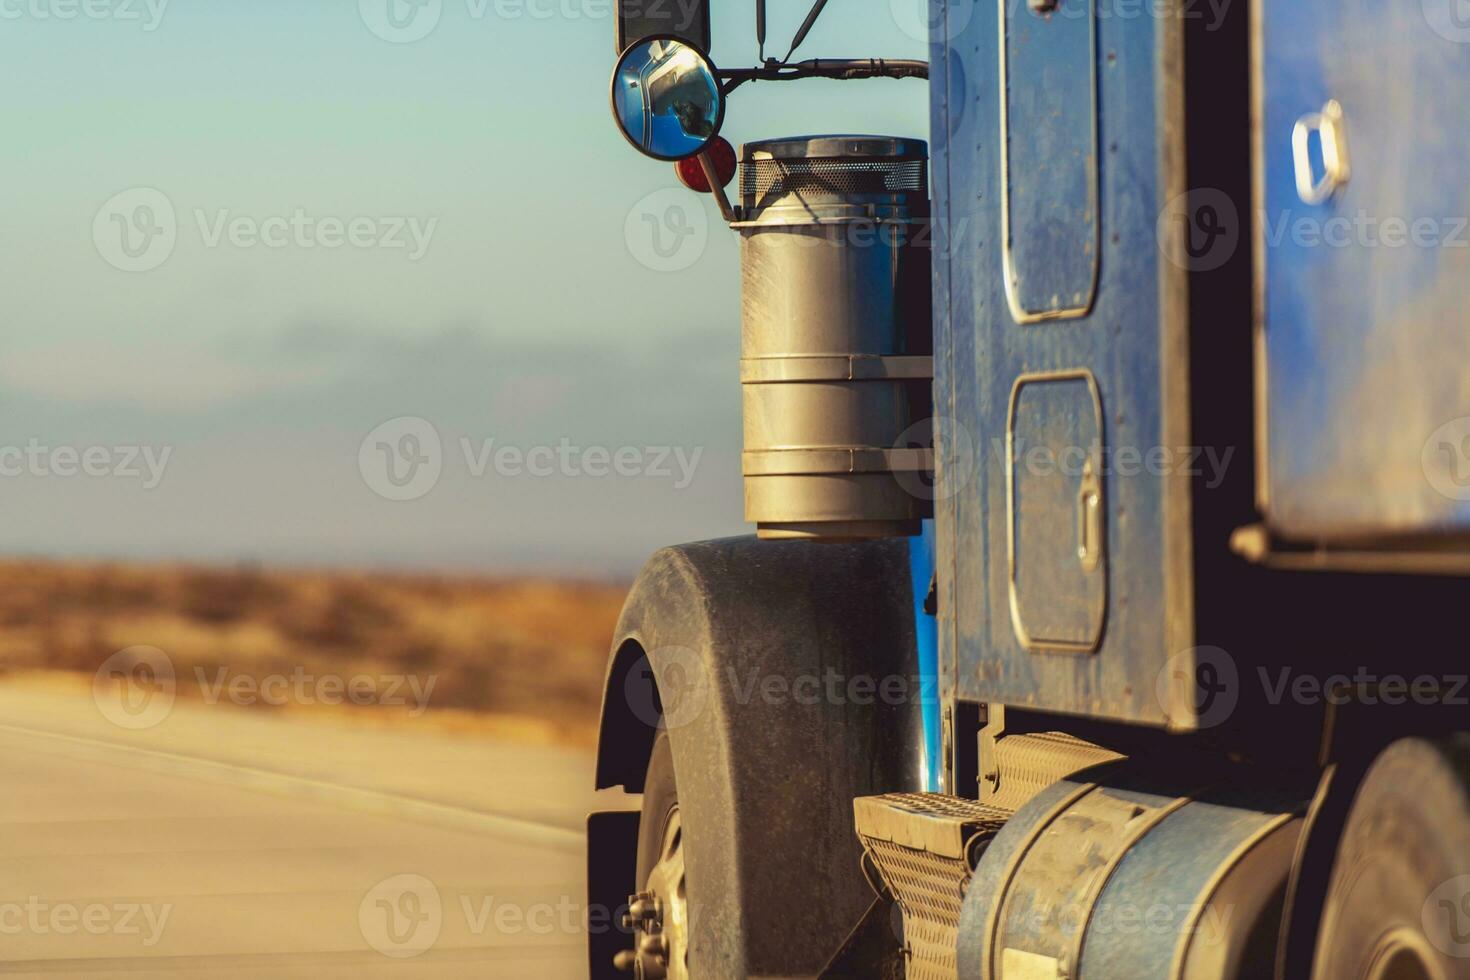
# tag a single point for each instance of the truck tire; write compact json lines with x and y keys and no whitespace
{"x":1398,"y":906}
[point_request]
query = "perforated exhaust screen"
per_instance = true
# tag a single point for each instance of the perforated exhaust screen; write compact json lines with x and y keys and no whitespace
{"x":831,"y":178}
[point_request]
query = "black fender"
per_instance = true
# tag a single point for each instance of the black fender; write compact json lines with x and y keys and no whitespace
{"x":786,"y":674}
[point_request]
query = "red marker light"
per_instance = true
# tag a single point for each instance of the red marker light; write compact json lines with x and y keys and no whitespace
{"x":721,"y":154}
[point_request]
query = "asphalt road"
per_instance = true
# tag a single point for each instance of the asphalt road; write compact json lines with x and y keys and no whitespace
{"x":111,"y":868}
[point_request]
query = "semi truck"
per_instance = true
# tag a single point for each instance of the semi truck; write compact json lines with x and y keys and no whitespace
{"x":1108,"y":454}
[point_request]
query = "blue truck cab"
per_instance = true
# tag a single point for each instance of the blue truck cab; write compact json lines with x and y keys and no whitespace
{"x":1103,"y":614}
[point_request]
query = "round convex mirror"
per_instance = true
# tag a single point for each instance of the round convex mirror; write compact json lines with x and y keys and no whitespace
{"x":666,"y":98}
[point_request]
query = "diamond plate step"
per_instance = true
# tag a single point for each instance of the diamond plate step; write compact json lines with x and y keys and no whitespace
{"x":924,"y":847}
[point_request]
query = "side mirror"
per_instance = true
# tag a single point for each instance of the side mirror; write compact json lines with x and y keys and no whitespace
{"x":666,"y":98}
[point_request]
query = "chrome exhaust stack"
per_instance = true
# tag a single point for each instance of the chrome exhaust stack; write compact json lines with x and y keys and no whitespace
{"x":836,"y":337}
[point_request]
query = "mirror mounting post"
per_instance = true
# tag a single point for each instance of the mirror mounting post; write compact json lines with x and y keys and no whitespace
{"x":805,"y":29}
{"x":760,"y":30}
{"x":708,"y":166}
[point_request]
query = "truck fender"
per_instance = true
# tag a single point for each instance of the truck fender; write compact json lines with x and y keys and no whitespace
{"x":786,"y":675}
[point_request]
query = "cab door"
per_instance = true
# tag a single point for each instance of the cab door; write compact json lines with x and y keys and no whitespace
{"x":1059,"y":340}
{"x":1363,"y":267}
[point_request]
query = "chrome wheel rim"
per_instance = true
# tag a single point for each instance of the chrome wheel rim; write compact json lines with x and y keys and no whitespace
{"x":660,"y":912}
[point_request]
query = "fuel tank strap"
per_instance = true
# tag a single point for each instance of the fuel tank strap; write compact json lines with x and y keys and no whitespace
{"x":836,"y":367}
{"x":778,"y":462}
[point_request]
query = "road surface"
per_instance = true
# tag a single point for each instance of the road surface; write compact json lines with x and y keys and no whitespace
{"x":118,"y":859}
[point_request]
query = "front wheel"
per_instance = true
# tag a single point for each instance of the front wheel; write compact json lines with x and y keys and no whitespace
{"x":660,"y":910}
{"x":1398,"y":907}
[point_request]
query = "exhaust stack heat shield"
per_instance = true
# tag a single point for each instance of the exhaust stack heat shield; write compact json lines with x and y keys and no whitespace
{"x":836,"y":337}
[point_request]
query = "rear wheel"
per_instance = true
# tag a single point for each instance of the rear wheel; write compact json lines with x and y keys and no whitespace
{"x":660,"y":909}
{"x":1398,"y":907}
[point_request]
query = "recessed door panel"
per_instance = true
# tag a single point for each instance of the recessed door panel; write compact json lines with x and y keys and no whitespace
{"x":1049,"y":73}
{"x":1057,"y":513}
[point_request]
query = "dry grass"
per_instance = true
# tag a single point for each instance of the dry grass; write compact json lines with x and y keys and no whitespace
{"x":507,"y":649}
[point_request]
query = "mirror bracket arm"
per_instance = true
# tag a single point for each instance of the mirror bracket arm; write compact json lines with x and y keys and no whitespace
{"x":840,"y":68}
{"x":708,"y":166}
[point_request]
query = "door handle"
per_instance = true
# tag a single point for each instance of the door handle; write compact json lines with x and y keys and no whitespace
{"x":1089,"y":520}
{"x":1332,"y":128}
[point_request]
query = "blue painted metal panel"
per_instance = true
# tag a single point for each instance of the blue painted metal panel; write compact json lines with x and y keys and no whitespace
{"x":982,"y":350}
{"x":1365,"y":295}
{"x":1050,"y":64}
{"x":926,"y":639}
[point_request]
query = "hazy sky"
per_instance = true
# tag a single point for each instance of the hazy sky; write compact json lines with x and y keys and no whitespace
{"x":241,"y":235}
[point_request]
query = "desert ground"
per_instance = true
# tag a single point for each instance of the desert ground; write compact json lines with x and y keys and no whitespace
{"x":510,"y":657}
